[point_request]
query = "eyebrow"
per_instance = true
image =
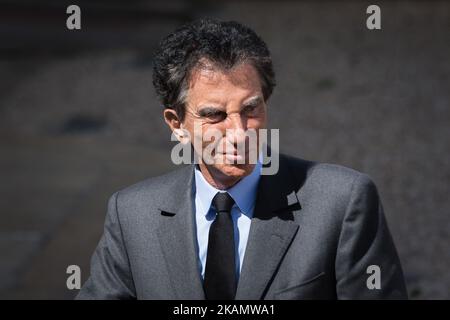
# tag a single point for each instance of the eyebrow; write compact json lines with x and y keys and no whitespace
{"x":253,"y":101}
{"x":207,"y":110}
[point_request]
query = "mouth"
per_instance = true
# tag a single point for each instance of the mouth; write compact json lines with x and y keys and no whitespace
{"x":234,"y":157}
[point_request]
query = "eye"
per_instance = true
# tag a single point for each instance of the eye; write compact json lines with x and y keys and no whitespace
{"x":217,"y":116}
{"x":213,"y":114}
{"x":250,"y":109}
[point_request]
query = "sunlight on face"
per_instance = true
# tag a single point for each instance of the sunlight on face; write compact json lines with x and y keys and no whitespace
{"x":225,"y":99}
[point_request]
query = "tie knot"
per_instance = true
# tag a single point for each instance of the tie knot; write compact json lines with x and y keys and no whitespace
{"x":223,"y":202}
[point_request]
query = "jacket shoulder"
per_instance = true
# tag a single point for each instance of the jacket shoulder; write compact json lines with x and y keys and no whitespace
{"x":328,"y":189}
{"x":327,"y":182}
{"x":328,"y":173}
{"x":152,"y":189}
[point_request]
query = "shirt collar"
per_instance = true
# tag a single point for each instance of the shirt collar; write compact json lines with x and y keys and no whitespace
{"x":243,"y":192}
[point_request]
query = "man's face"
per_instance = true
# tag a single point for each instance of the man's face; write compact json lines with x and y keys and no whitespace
{"x":225,"y":100}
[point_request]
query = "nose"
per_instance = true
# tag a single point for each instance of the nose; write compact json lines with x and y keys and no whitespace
{"x":236,"y":129}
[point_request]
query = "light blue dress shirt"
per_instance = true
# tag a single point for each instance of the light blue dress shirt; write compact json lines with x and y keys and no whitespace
{"x":244,"y":195}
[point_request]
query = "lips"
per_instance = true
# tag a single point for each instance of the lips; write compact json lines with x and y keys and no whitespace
{"x":235,"y":156}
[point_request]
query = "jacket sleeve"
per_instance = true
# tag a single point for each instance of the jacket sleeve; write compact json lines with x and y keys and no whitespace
{"x":110,"y":270}
{"x":367,"y":265}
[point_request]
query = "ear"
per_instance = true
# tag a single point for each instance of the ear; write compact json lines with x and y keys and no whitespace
{"x":171,"y":118}
{"x":174,"y":123}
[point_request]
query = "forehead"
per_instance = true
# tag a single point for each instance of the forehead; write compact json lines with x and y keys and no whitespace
{"x":214,"y":84}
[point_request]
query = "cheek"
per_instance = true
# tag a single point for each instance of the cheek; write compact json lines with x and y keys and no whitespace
{"x":256,"y":123}
{"x":196,"y":129}
{"x":210,"y":133}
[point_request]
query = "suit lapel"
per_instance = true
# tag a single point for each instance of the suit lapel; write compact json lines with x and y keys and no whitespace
{"x":177,"y":237}
{"x":271,"y":232}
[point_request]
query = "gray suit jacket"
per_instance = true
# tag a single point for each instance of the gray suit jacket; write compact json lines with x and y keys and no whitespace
{"x":315,"y":231}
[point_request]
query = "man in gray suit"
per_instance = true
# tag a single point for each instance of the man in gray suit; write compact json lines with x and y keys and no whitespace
{"x":222,"y":229}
